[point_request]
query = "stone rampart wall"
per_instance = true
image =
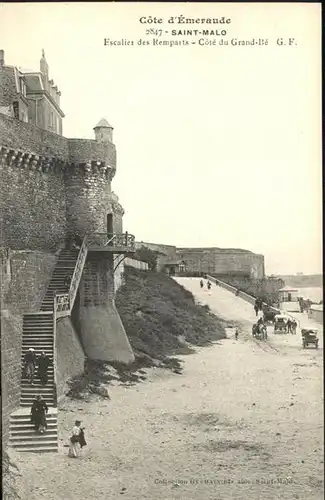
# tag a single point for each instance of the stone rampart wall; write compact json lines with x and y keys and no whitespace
{"x":83,"y":150}
{"x":31,"y":139}
{"x":32,"y":208}
{"x":137,"y":264}
{"x":24,"y":277}
{"x":35,"y":140}
{"x":223,"y":261}
{"x":169,"y":250}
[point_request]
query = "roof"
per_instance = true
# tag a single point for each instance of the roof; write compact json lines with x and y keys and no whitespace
{"x":103,"y":123}
{"x":288,"y":289}
{"x":34,"y":82}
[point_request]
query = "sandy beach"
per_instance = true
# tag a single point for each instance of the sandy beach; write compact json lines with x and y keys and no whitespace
{"x":244,"y":420}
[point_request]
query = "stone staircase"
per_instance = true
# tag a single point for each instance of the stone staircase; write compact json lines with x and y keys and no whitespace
{"x":24,"y":438}
{"x":65,"y":266}
{"x":38,"y":332}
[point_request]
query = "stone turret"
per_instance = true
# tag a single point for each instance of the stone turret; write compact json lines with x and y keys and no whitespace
{"x":103,"y":131}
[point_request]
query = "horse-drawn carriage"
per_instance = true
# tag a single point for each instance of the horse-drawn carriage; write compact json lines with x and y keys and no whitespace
{"x":269,"y":314}
{"x":280,"y":323}
{"x":309,"y":337}
{"x":259,"y":331}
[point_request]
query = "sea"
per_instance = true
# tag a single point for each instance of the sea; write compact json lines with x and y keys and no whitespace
{"x":315,"y":294}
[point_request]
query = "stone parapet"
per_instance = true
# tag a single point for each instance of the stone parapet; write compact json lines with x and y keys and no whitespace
{"x":85,"y":150}
{"x":27,"y":143}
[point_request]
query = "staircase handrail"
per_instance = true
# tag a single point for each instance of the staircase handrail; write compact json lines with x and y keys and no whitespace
{"x":62,"y":304}
{"x":75,"y":280}
{"x":117,"y":240}
{"x":55,"y":400}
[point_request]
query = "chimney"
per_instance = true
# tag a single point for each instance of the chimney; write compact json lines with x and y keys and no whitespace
{"x":2,"y":58}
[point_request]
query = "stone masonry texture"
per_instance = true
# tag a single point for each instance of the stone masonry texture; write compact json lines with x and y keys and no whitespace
{"x":24,"y":276}
{"x":33,"y":209}
{"x":51,"y":186}
{"x":221,"y":261}
{"x":69,"y":354}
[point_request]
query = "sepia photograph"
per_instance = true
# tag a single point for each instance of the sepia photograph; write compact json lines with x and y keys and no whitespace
{"x":161,"y":251}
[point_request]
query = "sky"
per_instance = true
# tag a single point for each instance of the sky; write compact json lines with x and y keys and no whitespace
{"x":216,"y":145}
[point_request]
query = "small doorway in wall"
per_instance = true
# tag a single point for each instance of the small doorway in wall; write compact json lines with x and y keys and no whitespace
{"x":289,"y":297}
{"x":109,"y":223}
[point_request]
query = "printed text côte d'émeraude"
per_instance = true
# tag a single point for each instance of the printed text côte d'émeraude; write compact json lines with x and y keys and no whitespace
{"x":185,"y":20}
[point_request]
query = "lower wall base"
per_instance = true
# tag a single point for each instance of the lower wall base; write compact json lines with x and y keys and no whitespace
{"x":11,"y":334}
{"x":103,"y":334}
{"x":70,"y":354}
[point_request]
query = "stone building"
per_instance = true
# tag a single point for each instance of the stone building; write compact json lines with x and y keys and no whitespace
{"x":222,"y":262}
{"x":31,"y":96}
{"x":62,"y":248}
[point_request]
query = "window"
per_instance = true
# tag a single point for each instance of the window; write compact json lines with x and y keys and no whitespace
{"x":16,"y":110}
{"x":22,"y":87}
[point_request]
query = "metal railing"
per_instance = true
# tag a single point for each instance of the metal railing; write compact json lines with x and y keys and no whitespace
{"x":55,"y":396}
{"x":248,"y":298}
{"x":111,"y":240}
{"x":61,"y":304}
{"x":77,"y":273}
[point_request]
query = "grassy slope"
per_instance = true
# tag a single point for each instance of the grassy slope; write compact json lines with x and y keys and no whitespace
{"x":155,"y":311}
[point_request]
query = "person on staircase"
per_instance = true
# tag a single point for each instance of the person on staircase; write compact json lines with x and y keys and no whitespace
{"x":38,"y":414}
{"x":67,"y":281}
{"x":30,"y":364}
{"x":43,"y":365}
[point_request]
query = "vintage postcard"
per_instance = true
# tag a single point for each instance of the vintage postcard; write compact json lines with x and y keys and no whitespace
{"x":161,"y":251}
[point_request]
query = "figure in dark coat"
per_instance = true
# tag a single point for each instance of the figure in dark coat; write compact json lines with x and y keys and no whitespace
{"x":43,"y":365}
{"x":38,"y":410}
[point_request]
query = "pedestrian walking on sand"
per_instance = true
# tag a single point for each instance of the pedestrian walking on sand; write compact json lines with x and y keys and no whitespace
{"x":77,"y":440}
{"x":236,"y":334}
{"x":289,"y":323}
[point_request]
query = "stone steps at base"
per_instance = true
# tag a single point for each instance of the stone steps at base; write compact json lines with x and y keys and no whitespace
{"x":38,"y":350}
{"x":38,"y":387}
{"x":27,"y":401}
{"x":24,"y":418}
{"x":45,"y":339}
{"x":50,"y":446}
{"x":37,"y":382}
{"x":38,"y":324}
{"x":38,"y":328}
{"x":47,"y":398}
{"x":24,"y":436}
{"x":28,"y":428}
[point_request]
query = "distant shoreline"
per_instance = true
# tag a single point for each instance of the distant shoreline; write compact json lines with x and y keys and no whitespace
{"x":304,"y":281}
